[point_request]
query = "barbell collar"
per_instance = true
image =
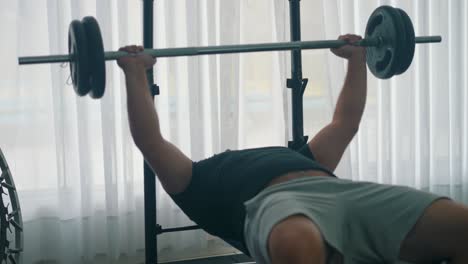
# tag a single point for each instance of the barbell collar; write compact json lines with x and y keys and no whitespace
{"x":211,"y":50}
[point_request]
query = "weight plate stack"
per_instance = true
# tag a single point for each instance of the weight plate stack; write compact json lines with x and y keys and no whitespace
{"x":383,"y":24}
{"x":97,"y":65}
{"x":79,"y":64}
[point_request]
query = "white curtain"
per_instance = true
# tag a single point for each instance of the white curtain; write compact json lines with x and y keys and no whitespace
{"x":79,"y":175}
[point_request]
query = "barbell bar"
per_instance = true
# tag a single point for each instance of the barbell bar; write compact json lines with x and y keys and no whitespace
{"x":226,"y":49}
{"x":389,"y":40}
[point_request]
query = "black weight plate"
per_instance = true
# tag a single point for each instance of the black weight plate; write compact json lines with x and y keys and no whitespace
{"x":400,"y":41}
{"x":97,"y":64}
{"x":78,"y":50}
{"x":408,"y":53}
{"x":382,"y":24}
{"x":3,"y":229}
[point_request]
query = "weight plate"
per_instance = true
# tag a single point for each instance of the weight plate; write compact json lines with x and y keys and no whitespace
{"x":97,"y":64}
{"x":3,"y":229}
{"x":382,"y":24}
{"x":78,"y":50}
{"x":400,"y":41}
{"x":408,"y":53}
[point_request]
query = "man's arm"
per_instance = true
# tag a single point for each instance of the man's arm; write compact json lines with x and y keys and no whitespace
{"x":352,"y":99}
{"x":172,"y":167}
{"x":142,"y":116}
{"x":330,"y":143}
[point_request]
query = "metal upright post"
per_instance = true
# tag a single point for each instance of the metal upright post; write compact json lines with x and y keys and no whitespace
{"x":296,"y":83}
{"x":151,"y":240}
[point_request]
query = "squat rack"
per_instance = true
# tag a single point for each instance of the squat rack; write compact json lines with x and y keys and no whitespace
{"x":296,"y":83}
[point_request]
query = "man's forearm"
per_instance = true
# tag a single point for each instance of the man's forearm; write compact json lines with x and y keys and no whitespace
{"x":352,"y":99}
{"x":143,"y":119}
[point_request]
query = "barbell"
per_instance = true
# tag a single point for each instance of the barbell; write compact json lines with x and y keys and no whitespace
{"x":389,"y":40}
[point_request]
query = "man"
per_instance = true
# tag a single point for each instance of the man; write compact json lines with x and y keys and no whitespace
{"x":285,"y":206}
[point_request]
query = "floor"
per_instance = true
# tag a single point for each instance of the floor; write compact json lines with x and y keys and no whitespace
{"x":217,"y":260}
